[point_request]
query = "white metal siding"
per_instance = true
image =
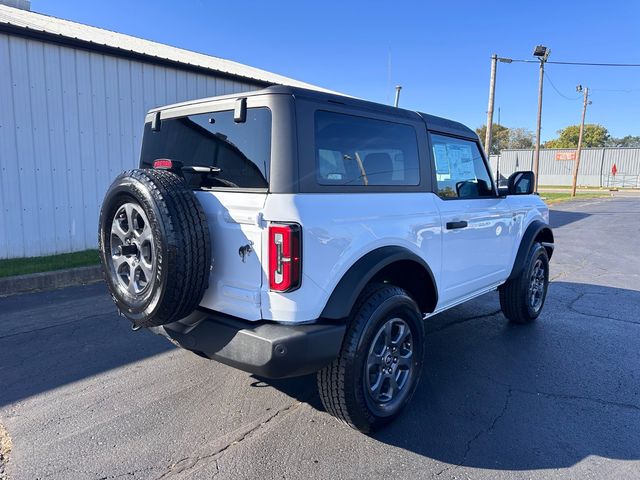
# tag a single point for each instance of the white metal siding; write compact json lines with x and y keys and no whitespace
{"x":70,"y":121}
{"x":99,"y":37}
{"x":595,"y":166}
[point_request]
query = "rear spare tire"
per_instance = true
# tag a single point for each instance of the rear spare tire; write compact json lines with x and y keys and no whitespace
{"x":154,"y":247}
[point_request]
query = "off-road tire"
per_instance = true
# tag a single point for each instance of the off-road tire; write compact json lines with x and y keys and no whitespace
{"x":181,"y":246}
{"x":341,"y":385}
{"x":515,"y":293}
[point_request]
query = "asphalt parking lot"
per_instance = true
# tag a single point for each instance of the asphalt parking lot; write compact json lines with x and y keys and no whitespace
{"x":82,"y":396}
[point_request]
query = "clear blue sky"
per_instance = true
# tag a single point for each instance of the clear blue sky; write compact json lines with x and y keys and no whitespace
{"x":440,"y":51}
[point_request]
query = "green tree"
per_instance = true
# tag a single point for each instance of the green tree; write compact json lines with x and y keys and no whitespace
{"x":503,"y":137}
{"x":594,"y":136}
{"x":520,"y":138}
{"x":626,"y":141}
{"x":499,"y":137}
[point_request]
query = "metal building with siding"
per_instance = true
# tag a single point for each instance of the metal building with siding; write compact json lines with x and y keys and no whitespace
{"x":72,"y":104}
{"x":556,"y":166}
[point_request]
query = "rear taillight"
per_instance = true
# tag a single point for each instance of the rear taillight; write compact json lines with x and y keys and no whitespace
{"x":285,"y":262}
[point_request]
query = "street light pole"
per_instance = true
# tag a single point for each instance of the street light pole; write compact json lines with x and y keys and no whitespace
{"x":542,"y":53}
{"x":536,"y":155}
{"x":492,"y":91}
{"x":579,"y":150}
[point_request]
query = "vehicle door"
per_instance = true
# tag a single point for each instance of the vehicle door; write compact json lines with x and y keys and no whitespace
{"x":477,"y":225}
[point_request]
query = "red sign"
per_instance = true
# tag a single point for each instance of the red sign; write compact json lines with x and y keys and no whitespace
{"x":614,"y":170}
{"x":566,"y":155}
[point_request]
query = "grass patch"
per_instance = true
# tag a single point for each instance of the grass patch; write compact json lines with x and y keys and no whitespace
{"x":555,"y":197}
{"x":21,"y":266}
{"x":568,"y":187}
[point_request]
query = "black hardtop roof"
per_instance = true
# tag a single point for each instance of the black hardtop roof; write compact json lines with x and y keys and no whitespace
{"x":433,"y":123}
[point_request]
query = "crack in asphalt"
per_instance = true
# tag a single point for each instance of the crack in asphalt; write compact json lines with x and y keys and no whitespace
{"x":463,"y":320}
{"x":564,"y":396}
{"x":484,"y":431}
{"x":510,"y":391}
{"x":571,"y":306}
{"x":131,"y":473}
{"x":188,"y":463}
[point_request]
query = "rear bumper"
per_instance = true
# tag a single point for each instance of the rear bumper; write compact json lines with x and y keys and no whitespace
{"x":269,"y":350}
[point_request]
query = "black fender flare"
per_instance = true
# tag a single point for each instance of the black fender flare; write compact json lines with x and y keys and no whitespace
{"x":532,"y":232}
{"x":353,"y":282}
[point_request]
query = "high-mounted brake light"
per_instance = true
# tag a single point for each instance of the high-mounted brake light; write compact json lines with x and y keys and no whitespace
{"x":285,"y":256}
{"x":163,"y":164}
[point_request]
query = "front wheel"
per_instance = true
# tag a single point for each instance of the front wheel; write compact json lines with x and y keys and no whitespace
{"x":522,"y":298}
{"x":379,"y":365}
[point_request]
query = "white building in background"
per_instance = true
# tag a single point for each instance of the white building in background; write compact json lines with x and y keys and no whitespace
{"x":72,"y":104}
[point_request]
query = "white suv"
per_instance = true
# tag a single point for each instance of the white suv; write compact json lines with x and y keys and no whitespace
{"x":287,"y":231}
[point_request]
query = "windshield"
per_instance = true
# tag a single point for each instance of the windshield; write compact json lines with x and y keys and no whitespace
{"x":240,"y":150}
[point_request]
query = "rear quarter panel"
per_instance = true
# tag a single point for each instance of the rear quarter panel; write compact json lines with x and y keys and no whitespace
{"x":339,"y":229}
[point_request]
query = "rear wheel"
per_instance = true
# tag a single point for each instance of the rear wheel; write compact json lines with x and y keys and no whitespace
{"x":522,"y":298}
{"x":378,"y":368}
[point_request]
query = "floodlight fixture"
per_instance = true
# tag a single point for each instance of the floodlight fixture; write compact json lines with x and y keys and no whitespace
{"x":541,"y":52}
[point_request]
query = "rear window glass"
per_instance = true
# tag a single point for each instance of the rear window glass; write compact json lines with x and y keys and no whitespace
{"x":354,"y":150}
{"x":240,"y":150}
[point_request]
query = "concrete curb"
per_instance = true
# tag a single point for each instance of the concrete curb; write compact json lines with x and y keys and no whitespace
{"x":49,"y":280}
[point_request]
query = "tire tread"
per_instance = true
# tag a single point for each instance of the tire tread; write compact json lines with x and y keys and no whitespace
{"x":334,"y":380}
{"x":183,"y":224}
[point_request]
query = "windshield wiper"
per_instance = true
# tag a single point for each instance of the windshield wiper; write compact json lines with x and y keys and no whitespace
{"x":202,"y":170}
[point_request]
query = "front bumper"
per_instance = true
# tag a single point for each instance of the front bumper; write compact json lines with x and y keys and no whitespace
{"x":266,"y":349}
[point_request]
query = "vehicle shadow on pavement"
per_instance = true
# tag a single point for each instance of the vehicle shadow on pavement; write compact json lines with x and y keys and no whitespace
{"x":50,"y":339}
{"x":560,"y":218}
{"x":519,"y":397}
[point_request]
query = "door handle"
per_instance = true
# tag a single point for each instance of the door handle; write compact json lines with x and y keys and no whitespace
{"x":454,"y":225}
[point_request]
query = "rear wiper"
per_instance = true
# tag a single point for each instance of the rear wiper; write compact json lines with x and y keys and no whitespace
{"x":202,"y":170}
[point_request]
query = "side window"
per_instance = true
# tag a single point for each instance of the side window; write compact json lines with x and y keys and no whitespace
{"x":353,"y":150}
{"x":460,"y":169}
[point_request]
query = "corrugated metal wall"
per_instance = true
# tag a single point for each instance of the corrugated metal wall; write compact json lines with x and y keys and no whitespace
{"x":70,"y":121}
{"x":595,"y":166}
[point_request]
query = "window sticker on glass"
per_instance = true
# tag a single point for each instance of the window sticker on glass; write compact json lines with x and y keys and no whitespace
{"x":461,"y":160}
{"x":460,"y":169}
{"x":442,"y":160}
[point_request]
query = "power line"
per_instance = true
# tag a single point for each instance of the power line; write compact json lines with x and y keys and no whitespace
{"x":588,"y":64}
{"x":558,"y":91}
{"x":615,"y":90}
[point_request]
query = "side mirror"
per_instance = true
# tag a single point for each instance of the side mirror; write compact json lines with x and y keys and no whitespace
{"x":521,"y":183}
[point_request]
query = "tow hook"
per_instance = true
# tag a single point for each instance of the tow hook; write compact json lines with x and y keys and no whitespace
{"x":135,"y":327}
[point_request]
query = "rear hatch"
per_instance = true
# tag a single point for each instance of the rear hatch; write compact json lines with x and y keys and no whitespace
{"x":232,"y":197}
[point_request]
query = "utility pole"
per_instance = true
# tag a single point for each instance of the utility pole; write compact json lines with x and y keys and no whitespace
{"x":492,"y":91}
{"x":542,"y":53}
{"x":584,"y":112}
{"x":397,"y":101}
